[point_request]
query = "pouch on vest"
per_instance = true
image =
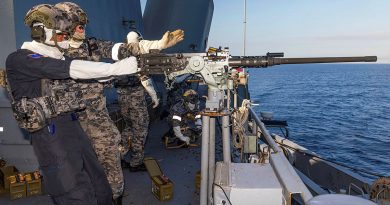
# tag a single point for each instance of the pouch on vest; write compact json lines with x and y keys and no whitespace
{"x":29,"y":114}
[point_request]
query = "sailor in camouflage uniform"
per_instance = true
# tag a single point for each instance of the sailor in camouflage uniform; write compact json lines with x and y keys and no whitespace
{"x":45,"y":108}
{"x":132,"y":102}
{"x":95,"y":120}
{"x":134,"y":110}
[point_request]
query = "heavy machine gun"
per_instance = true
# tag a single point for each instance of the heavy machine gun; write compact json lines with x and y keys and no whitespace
{"x":216,"y":62}
{"x":218,"y":69}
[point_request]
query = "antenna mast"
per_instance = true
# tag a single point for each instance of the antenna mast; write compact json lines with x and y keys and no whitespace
{"x":244,"y":26}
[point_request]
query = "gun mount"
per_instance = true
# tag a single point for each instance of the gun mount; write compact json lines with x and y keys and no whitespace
{"x":218,"y":69}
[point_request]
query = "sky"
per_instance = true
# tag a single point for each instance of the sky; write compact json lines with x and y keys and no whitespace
{"x":304,"y":28}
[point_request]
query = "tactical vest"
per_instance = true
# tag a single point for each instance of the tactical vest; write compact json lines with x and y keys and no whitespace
{"x":90,"y":50}
{"x":32,"y":114}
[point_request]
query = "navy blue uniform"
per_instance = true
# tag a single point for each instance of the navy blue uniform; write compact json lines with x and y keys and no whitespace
{"x":71,"y":171}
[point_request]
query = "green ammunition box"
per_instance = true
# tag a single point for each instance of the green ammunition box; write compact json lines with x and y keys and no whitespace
{"x":17,"y":190}
{"x":162,"y":187}
{"x":6,"y":172}
{"x":34,"y":187}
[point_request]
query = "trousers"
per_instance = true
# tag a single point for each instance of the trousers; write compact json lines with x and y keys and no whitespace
{"x":71,"y":172}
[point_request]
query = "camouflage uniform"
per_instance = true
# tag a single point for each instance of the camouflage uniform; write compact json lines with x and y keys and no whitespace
{"x":134,"y":110}
{"x":131,"y":97}
{"x":95,"y":119}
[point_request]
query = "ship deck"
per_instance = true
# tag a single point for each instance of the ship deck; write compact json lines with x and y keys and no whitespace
{"x":180,"y":165}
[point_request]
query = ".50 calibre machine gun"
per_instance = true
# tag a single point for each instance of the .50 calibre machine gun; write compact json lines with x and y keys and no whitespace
{"x":217,"y":68}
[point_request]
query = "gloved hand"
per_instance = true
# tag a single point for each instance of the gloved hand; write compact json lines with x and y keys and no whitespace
{"x":170,"y":39}
{"x":148,"y":85}
{"x":133,"y":37}
{"x":198,"y":123}
{"x":179,"y":135}
{"x":185,"y":139}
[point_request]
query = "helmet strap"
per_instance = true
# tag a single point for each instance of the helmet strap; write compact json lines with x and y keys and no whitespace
{"x":38,"y":34}
{"x":56,"y":43}
{"x":54,"y":37}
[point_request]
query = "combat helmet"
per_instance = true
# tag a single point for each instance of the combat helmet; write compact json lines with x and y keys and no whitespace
{"x":78,"y":15}
{"x":50,"y":16}
{"x":190,"y":96}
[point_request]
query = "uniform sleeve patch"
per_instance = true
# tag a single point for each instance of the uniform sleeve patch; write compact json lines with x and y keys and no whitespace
{"x":35,"y":55}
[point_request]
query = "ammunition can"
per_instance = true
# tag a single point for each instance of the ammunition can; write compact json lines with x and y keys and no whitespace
{"x":17,"y":190}
{"x":5,"y":173}
{"x":162,"y":188}
{"x":34,"y":187}
{"x":198,"y":178}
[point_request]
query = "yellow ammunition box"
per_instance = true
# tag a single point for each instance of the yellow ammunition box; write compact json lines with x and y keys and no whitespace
{"x":198,"y":178}
{"x":17,"y":190}
{"x":34,"y":187}
{"x":2,"y":78}
{"x":162,"y":187}
{"x":5,"y":173}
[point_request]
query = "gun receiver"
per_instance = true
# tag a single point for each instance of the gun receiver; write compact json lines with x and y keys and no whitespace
{"x":158,"y":63}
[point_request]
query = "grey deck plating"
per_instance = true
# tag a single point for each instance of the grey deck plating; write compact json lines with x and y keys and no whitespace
{"x":180,"y":165}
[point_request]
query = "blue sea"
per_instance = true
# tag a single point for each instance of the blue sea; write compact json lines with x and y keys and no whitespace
{"x":340,"y":111}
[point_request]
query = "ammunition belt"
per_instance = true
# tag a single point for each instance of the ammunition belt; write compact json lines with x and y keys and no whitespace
{"x":126,"y":81}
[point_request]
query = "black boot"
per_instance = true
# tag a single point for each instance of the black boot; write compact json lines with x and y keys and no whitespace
{"x":139,"y":168}
{"x":117,"y":201}
{"x":124,"y":164}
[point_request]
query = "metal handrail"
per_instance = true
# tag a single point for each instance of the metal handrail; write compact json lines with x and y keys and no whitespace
{"x":357,"y":187}
{"x":286,"y":173}
{"x":264,"y":131}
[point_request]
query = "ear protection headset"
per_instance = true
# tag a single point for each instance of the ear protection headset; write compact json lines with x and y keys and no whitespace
{"x":38,"y":33}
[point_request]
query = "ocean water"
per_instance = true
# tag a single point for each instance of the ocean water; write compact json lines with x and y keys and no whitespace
{"x":340,"y":111}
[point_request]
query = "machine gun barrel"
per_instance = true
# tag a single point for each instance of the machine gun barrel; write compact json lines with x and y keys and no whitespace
{"x":265,"y":61}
